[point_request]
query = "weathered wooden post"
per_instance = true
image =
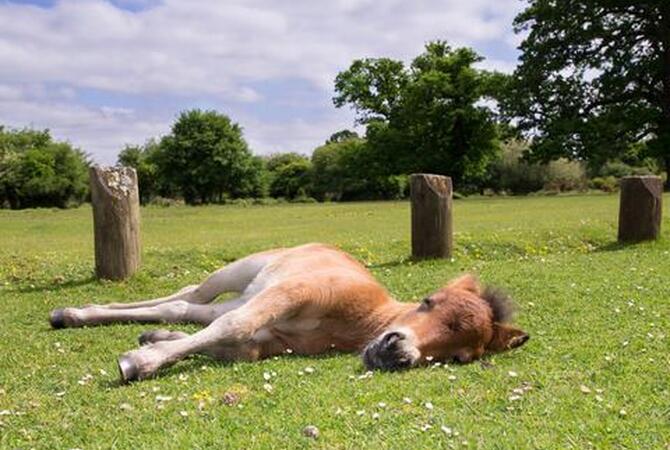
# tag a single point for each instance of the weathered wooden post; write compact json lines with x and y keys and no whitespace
{"x":640,"y":208}
{"x":116,"y":221}
{"x":432,"y":226}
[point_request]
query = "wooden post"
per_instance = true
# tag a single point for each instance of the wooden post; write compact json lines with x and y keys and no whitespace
{"x":432,"y":226}
{"x":640,"y":208}
{"x":116,"y":221}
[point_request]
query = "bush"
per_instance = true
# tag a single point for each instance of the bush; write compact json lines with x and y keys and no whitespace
{"x":620,"y":169}
{"x":304,"y":199}
{"x":36,"y":171}
{"x":511,"y":173}
{"x":165,"y":202}
{"x":563,"y":175}
{"x":290,"y":175}
{"x":605,"y":184}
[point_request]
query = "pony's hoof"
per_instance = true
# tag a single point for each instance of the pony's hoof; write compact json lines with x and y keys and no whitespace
{"x":128,"y":369}
{"x":57,"y":319}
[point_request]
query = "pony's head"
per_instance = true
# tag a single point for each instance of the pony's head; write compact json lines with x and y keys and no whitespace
{"x":461,"y":322}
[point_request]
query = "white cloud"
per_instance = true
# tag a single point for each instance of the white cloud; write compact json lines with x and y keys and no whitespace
{"x":208,"y":49}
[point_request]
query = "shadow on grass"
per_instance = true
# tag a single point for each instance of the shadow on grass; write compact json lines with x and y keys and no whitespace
{"x":54,"y":285}
{"x":616,"y":246}
{"x":198,"y":363}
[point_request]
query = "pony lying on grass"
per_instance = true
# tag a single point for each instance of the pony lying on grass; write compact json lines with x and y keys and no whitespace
{"x":309,"y":300}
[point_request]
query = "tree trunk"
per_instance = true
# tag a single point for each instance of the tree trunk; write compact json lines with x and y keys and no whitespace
{"x":432,"y":225}
{"x":664,"y":127}
{"x":640,"y":208}
{"x":116,"y":221}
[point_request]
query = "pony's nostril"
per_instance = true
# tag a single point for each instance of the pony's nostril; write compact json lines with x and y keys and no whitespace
{"x":392,"y":337}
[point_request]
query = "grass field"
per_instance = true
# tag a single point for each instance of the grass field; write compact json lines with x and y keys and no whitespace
{"x":596,"y":373}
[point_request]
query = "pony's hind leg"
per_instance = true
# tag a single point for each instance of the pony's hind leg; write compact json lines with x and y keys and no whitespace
{"x":234,"y":277}
{"x":178,"y":311}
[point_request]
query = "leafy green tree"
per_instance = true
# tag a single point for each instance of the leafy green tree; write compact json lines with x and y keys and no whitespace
{"x":206,"y":157}
{"x":290,"y":175}
{"x":429,"y":117}
{"x":347,"y":170}
{"x":144,"y":159}
{"x":37,"y":171}
{"x":341,"y":136}
{"x":594,"y":78}
{"x":275,"y":161}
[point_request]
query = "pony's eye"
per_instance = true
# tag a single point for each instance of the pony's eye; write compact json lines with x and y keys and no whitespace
{"x":427,"y":303}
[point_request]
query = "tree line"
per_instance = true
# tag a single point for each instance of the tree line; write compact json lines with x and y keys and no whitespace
{"x":589,"y":102}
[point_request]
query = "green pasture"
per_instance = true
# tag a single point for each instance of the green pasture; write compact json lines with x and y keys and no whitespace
{"x":595,"y":374}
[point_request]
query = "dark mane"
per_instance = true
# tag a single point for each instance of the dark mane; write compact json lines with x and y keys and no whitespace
{"x":502,"y":306}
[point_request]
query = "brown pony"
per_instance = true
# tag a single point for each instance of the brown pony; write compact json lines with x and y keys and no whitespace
{"x":309,"y":300}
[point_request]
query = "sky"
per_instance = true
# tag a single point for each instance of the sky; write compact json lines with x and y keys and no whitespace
{"x":106,"y":73}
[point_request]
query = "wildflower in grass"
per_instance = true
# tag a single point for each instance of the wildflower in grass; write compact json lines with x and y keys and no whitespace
{"x":512,"y":374}
{"x":268,"y":387}
{"x":429,"y":406}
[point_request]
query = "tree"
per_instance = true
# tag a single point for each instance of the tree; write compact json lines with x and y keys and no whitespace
{"x":290,"y":175}
{"x":36,"y":171}
{"x":341,"y":136}
{"x":144,"y":159}
{"x":346,"y":170}
{"x":206,"y":157}
{"x":594,"y":78}
{"x":429,"y":117}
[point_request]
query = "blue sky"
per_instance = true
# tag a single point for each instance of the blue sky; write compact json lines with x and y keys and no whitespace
{"x":103,"y":74}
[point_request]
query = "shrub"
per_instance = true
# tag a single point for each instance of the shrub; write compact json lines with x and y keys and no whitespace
{"x":511,"y":173}
{"x":605,"y":184}
{"x":290,"y":174}
{"x":36,"y":171}
{"x":620,"y":169}
{"x":165,"y":202}
{"x":563,"y":175}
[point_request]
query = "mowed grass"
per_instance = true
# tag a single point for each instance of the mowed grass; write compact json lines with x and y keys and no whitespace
{"x":595,"y":374}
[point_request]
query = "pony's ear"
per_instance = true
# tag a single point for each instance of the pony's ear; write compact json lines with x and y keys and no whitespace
{"x":506,"y":337}
{"x":467,"y":282}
